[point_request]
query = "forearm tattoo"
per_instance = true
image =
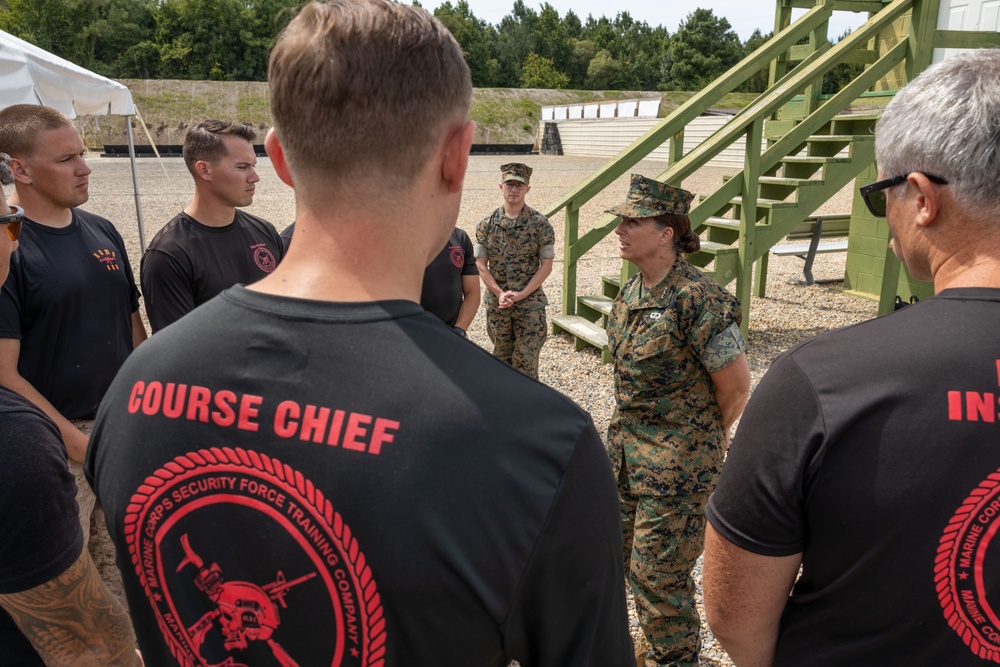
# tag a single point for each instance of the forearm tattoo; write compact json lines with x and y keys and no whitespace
{"x":74,"y":619}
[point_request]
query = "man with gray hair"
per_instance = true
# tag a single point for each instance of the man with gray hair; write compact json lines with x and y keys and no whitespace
{"x":313,"y":470}
{"x":210,"y":245}
{"x":869,"y":456}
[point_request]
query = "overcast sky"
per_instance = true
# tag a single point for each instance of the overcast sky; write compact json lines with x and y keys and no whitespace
{"x":744,"y":15}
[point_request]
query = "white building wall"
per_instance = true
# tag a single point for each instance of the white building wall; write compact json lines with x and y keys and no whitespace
{"x":607,"y":137}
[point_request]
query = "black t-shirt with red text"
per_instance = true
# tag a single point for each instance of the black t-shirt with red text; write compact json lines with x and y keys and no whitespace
{"x":69,"y":299}
{"x":40,"y":535}
{"x":875,"y":452}
{"x":300,"y":482}
{"x":188,"y":263}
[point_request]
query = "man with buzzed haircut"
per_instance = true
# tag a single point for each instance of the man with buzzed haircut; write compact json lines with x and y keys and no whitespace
{"x":54,"y":610}
{"x":314,"y":470}
{"x":211,"y":244}
{"x":514,"y":252}
{"x":69,"y":311}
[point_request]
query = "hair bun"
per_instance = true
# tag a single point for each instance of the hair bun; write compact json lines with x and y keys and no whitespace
{"x":689,"y":242}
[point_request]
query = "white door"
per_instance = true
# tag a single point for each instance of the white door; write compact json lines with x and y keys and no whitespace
{"x":966,"y":15}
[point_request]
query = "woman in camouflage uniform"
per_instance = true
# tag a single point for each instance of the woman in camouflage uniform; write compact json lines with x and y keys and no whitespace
{"x":681,"y":380}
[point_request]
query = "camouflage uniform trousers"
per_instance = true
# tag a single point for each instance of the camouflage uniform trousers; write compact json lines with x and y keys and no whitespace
{"x":518,"y":333}
{"x":96,"y":539}
{"x":663,"y":537}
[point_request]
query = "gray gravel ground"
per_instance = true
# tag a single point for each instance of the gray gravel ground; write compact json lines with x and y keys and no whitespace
{"x":790,"y":313}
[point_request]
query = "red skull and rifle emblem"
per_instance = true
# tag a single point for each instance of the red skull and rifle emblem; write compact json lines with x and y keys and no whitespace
{"x":245,"y":612}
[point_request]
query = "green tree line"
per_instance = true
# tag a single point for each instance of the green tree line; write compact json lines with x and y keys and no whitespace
{"x":230,"y":40}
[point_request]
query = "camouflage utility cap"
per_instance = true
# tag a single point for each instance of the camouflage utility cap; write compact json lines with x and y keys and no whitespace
{"x":648,"y":198}
{"x":515,"y":171}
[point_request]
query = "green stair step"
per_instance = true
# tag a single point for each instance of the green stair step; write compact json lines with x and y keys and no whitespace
{"x":841,"y":138}
{"x":600,"y":304}
{"x":585,"y":332}
{"x":857,"y":116}
{"x":793,"y":182}
{"x":611,"y":285}
{"x":814,"y":159}
{"x":730,"y":224}
{"x":723,"y":223}
{"x":766,"y":203}
{"x":713,"y":248}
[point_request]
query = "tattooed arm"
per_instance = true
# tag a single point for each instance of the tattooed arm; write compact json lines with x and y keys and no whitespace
{"x":74,"y":620}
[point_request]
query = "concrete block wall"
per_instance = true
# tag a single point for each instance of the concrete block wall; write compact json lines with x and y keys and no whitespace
{"x":867,"y":249}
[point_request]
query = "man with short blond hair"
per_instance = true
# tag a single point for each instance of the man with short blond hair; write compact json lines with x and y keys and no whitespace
{"x":318,"y":445}
{"x":54,"y":610}
{"x":212,"y":244}
{"x":69,"y":310}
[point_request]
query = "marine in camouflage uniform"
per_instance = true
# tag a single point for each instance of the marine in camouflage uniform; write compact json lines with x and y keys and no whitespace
{"x":511,"y":251}
{"x":666,"y":438}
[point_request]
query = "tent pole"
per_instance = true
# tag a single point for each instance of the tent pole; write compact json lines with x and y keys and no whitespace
{"x":135,"y":185}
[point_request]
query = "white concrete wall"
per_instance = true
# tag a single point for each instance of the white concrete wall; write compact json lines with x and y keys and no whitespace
{"x":607,"y":137}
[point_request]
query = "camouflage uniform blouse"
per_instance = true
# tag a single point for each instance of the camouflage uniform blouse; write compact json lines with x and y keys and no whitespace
{"x":667,"y":427}
{"x":514,"y":248}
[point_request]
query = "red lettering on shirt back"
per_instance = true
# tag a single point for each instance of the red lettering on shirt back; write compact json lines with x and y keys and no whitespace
{"x":224,"y":408}
{"x":975,"y":406}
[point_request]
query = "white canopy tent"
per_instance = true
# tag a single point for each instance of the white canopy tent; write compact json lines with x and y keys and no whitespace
{"x":30,"y":75}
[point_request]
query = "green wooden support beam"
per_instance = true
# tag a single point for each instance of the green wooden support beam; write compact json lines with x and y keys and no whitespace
{"x":760,"y":280}
{"x":923,"y":24}
{"x":570,"y":230}
{"x":748,"y":219}
{"x":677,"y":146}
{"x":960,"y":39}
{"x":842,"y":5}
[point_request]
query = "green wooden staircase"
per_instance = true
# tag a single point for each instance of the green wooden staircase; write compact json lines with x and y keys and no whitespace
{"x":788,"y":193}
{"x":801,"y":148}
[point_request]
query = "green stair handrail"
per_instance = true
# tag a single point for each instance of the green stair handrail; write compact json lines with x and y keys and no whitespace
{"x":770,"y":157}
{"x":678,"y":119}
{"x":747,"y":123}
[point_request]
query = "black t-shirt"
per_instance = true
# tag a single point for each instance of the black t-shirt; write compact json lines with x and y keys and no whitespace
{"x":40,"y":535}
{"x":187,"y":263}
{"x":875,"y":452}
{"x":398,"y":492}
{"x":442,"y":293}
{"x":69,"y":299}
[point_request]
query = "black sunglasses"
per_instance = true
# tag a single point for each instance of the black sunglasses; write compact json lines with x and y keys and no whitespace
{"x":13,"y":221}
{"x":874,"y":194}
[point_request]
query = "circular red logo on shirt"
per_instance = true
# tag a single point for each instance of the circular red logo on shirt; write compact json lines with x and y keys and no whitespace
{"x":960,"y":569}
{"x":457,"y":256}
{"x":265,"y":259}
{"x":301,"y":594}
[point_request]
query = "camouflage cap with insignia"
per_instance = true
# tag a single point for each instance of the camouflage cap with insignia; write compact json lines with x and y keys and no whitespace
{"x":515,"y":171}
{"x":648,"y":198}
